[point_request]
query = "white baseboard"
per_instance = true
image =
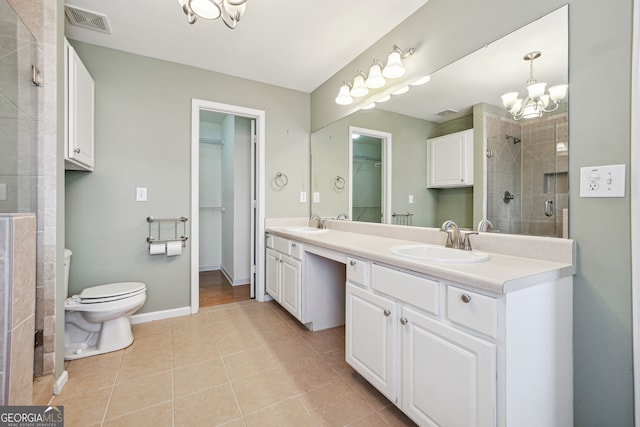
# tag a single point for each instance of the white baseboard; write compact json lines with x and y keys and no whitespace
{"x":209,"y":268}
{"x":233,"y":281}
{"x":159,"y":315}
{"x":58,"y":385}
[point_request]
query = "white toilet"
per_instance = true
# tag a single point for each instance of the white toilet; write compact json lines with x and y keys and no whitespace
{"x":97,"y":320}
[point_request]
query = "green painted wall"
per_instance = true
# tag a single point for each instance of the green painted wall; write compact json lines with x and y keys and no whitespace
{"x":600,"y":36}
{"x":143,"y":139}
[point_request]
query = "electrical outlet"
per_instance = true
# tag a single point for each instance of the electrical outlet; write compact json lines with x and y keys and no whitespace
{"x":303,"y":197}
{"x":602,"y":181}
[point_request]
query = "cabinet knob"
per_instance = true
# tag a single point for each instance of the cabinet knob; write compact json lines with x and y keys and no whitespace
{"x":77,"y":150}
{"x":352,"y":263}
{"x":466,"y":298}
{"x":404,"y":320}
{"x":293,"y":244}
{"x":387,"y":313}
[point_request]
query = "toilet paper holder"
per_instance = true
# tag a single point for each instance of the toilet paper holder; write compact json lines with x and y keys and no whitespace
{"x":164,"y":225}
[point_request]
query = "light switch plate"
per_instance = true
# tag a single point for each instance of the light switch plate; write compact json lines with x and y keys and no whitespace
{"x":602,"y":181}
{"x":410,"y":199}
{"x":316,"y":197}
{"x":303,"y":197}
{"x":141,"y":194}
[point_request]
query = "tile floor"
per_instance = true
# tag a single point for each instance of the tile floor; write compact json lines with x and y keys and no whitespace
{"x":239,"y":364}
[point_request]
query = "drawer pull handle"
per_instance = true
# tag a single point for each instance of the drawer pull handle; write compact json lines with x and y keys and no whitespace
{"x":404,"y":320}
{"x":352,"y":263}
{"x":466,"y":298}
{"x":293,"y":245}
{"x":387,"y":313}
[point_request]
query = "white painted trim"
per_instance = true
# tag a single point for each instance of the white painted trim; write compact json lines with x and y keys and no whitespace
{"x":159,"y":315}
{"x":260,"y":117}
{"x":635,"y":205}
{"x":59,"y":384}
{"x":386,"y":138}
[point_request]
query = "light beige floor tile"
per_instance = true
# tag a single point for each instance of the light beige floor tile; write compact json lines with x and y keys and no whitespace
{"x":395,"y":417}
{"x":155,"y":416}
{"x":263,"y":389}
{"x":325,"y":341}
{"x":190,"y":351}
{"x":275,"y":330}
{"x":288,"y":413}
{"x":85,"y":408}
{"x":290,"y":349}
{"x":156,"y":327}
{"x":249,"y":362}
{"x":140,"y":393}
{"x":369,"y":393}
{"x":238,"y":422}
{"x":230,"y":344}
{"x":335,"y":404}
{"x":213,"y":406}
{"x":150,"y":344}
{"x":42,"y":387}
{"x":336,"y":361}
{"x":102,"y":361}
{"x":142,"y":364}
{"x":372,"y":420}
{"x":199,"y":376}
{"x":308,"y":374}
{"x":81,"y":381}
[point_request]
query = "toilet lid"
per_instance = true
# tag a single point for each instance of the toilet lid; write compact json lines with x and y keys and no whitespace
{"x":111,"y":291}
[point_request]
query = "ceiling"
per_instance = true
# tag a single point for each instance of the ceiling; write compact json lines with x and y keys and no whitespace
{"x":296,"y":44}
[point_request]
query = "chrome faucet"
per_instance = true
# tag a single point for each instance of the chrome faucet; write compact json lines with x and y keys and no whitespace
{"x":453,"y":234}
{"x":456,"y":238}
{"x":484,"y":225}
{"x":342,"y":216}
{"x":319,"y":221}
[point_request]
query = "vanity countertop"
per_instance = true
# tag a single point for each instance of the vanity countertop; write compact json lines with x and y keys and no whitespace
{"x":500,"y":274}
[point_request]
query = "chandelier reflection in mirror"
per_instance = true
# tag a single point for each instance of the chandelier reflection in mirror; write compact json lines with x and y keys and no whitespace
{"x":537,"y":101}
{"x":376,"y":78}
{"x":230,"y":11}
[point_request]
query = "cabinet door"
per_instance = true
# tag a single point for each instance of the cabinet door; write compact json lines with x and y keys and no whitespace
{"x":448,"y":377}
{"x":291,"y":279}
{"x":450,"y":160}
{"x":371,"y":345}
{"x":272,"y":278}
{"x":81,"y":93}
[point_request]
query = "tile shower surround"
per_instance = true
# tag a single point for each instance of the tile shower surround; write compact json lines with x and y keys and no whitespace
{"x":17,"y":304}
{"x":526,"y":171}
{"x":239,"y":364}
{"x":41,"y":19}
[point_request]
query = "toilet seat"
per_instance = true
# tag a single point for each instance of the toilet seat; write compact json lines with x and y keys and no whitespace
{"x":110,"y":292}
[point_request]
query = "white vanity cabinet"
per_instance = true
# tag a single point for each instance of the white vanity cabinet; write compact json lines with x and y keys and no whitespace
{"x":450,"y":160}
{"x":79,"y":113}
{"x":284,"y":273}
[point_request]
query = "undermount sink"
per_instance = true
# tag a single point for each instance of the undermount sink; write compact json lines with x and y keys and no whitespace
{"x":308,"y":230}
{"x":432,"y":253}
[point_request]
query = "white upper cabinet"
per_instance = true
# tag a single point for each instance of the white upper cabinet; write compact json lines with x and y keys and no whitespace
{"x":450,"y":160}
{"x":79,"y":113}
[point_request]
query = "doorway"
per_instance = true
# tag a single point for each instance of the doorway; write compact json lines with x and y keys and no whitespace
{"x":369,"y":175}
{"x":227,"y":211}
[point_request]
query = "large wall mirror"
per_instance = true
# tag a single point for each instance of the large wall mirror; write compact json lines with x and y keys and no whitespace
{"x":520,"y":166}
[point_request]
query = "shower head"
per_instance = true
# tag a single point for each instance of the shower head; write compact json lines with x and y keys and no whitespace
{"x":515,"y":139}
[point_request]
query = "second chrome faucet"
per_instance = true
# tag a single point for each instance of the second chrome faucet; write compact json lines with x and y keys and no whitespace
{"x":456,"y":238}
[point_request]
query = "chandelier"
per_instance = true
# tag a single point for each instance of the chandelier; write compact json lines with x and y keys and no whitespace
{"x":537,"y":101}
{"x":376,"y":78}
{"x":229,"y":11}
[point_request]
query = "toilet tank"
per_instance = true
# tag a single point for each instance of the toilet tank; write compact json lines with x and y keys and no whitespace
{"x":67,"y":265}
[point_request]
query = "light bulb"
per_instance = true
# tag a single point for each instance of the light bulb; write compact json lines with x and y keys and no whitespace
{"x":205,"y":9}
{"x":359,"y":89}
{"x":394,"y":67}
{"x":558,"y":93}
{"x":536,"y":90}
{"x":375,"y":79}
{"x":344,"y":98}
{"x":509,"y":100}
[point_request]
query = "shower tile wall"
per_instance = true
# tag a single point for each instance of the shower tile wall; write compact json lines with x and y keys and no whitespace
{"x":534,"y":171}
{"x":17,"y":300}
{"x":504,"y":166}
{"x":544,"y":178}
{"x":41,"y":19}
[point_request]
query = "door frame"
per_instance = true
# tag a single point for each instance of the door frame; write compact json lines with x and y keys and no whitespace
{"x":257,"y":243}
{"x":386,"y":169}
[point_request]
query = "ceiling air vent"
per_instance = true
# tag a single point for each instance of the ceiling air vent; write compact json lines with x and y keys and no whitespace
{"x":86,"y":19}
{"x":446,"y":113}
